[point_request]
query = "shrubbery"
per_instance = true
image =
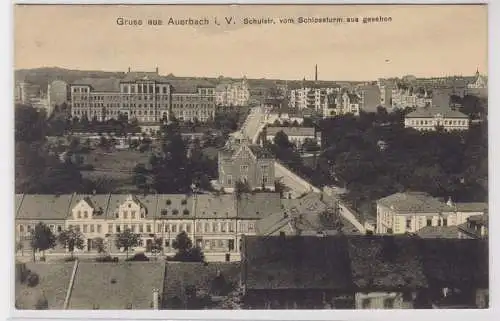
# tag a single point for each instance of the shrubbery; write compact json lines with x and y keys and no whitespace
{"x":32,"y":279}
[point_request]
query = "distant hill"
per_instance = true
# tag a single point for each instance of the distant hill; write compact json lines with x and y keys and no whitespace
{"x":44,"y":76}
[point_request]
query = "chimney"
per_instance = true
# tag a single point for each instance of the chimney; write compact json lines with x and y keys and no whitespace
{"x":128,"y":69}
{"x":156,"y":299}
{"x":316,"y":73}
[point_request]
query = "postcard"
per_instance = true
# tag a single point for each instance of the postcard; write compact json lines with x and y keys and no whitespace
{"x":233,"y":157}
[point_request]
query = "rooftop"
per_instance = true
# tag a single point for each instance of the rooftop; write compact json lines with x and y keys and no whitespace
{"x":291,"y":131}
{"x":433,"y":232}
{"x":413,"y":202}
{"x":119,"y":286}
{"x":432,"y":112}
{"x":39,"y":206}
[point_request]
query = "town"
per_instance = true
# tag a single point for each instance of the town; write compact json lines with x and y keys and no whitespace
{"x":223,"y":193}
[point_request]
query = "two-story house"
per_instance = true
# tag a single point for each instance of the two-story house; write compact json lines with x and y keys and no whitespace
{"x":296,"y":135}
{"x":410,"y":211}
{"x":248,"y":163}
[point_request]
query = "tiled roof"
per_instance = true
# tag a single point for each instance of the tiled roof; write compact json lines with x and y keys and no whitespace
{"x":174,"y":206}
{"x":291,"y":263}
{"x":413,"y":202}
{"x":116,"y":286}
{"x":432,"y":232}
{"x":471,"y":207}
{"x":258,"y":205}
{"x":456,"y":262}
{"x":273,"y":224}
{"x":211,"y":206}
{"x":291,"y":131}
{"x":433,"y":111}
{"x":100,"y":84}
{"x":142,"y":75}
{"x":260,"y":152}
{"x":385,"y":262}
{"x":98,"y":202}
{"x":44,"y":207}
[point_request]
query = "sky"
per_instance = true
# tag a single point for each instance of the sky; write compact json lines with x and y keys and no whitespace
{"x":421,"y":40}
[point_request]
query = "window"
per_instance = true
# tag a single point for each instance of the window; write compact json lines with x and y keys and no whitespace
{"x":214,"y":227}
{"x":265,"y":179}
{"x":429,"y":221}
{"x":229,"y":179}
{"x":148,"y":228}
{"x":133,"y":228}
{"x":207,"y":227}
{"x":408,"y":223}
{"x":79,"y":214}
{"x":167,"y":243}
{"x":244,"y":168}
{"x":118,"y":229}
{"x":174,"y":228}
{"x":231,"y":227}
{"x":141,"y":228}
{"x":110,"y":228}
{"x":21,"y":228}
{"x":132,"y":214}
{"x":365,"y":303}
{"x":59,"y":228}
{"x":251,"y":227}
{"x":125,"y":214}
{"x":223,"y":227}
{"x":389,"y":303}
{"x":92,"y":228}
{"x":199,"y":227}
{"x":188,"y":228}
{"x":158,"y":228}
{"x":98,"y":228}
{"x":85,"y":214}
{"x":84,"y":228}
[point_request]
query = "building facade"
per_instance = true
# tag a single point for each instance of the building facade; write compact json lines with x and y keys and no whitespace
{"x":214,"y":223}
{"x":341,"y":103}
{"x":296,"y":135}
{"x":57,"y":93}
{"x":233,"y":93}
{"x":312,"y":97}
{"x":408,"y":212}
{"x":145,"y":96}
{"x":246,"y":163}
{"x":430,"y":119}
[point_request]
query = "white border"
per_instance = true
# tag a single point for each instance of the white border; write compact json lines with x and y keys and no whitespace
{"x":7,"y":168}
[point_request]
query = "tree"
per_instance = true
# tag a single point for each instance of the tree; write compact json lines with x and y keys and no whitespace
{"x":127,"y":240}
{"x":71,"y":239}
{"x":310,"y":145}
{"x":157,"y":245}
{"x":279,"y":187}
{"x":99,"y":245}
{"x":241,"y":187}
{"x":330,"y":220}
{"x":42,"y":239}
{"x":140,"y":178}
{"x":185,"y":250}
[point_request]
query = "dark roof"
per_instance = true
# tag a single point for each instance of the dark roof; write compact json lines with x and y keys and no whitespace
{"x":258,"y":205}
{"x":143,"y":75}
{"x":43,"y":207}
{"x":100,"y":84}
{"x":413,"y":202}
{"x":260,"y":152}
{"x":458,"y":262}
{"x":296,"y":263}
{"x":432,"y":232}
{"x":386,"y":262}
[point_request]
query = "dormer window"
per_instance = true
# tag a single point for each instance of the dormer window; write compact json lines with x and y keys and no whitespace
{"x":186,"y":212}
{"x":132,"y":214}
{"x":164,"y":212}
{"x":129,"y":205}
{"x":85,"y":214}
{"x":125,"y":214}
{"x":168,"y":202}
{"x":79,"y":214}
{"x":175,"y":212}
{"x":184,"y":202}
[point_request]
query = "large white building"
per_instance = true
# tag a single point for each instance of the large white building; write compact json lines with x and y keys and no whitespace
{"x":215,"y":223}
{"x":296,"y":135}
{"x":430,"y":119}
{"x":408,"y":212}
{"x":232,"y":93}
{"x":309,"y":96}
{"x":341,"y":103}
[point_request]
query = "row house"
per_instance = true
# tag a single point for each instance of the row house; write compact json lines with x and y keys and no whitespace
{"x":296,"y":135}
{"x":309,"y":96}
{"x":409,"y":212}
{"x":233,"y":94}
{"x":194,"y":104}
{"x":430,"y":119}
{"x":215,"y":223}
{"x":341,"y":103}
{"x":406,"y":97}
{"x":243,"y":162}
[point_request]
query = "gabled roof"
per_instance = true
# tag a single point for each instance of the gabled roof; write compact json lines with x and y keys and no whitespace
{"x":178,"y":206}
{"x":116,"y":286}
{"x":100,"y":84}
{"x":471,"y":207}
{"x":99,"y":202}
{"x":44,"y":207}
{"x":213,"y":206}
{"x":142,"y":75}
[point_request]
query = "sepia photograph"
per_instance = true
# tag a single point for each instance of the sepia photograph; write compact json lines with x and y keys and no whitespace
{"x":250,"y":157}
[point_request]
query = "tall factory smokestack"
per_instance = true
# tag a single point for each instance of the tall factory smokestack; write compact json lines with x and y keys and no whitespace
{"x":316,"y":73}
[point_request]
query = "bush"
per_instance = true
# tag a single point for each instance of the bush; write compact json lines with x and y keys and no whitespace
{"x":87,"y":167}
{"x":115,"y":259}
{"x":107,"y":258}
{"x":32,"y":280}
{"x":138,"y":257}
